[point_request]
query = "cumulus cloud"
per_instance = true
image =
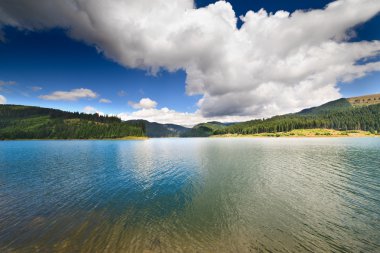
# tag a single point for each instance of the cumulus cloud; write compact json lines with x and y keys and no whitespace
{"x":274,"y":63}
{"x":105,"y":101}
{"x":166,"y":115}
{"x":147,"y":110}
{"x":3,"y":100}
{"x":144,"y":103}
{"x":71,"y":95}
{"x":92,"y":110}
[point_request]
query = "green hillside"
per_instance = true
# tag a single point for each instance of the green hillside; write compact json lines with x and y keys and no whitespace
{"x":333,"y":106}
{"x":365,"y":100}
{"x":29,"y":122}
{"x":153,"y":129}
{"x":338,"y":115}
{"x":204,"y":129}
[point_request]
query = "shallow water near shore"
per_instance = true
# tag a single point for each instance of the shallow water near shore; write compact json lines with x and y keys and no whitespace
{"x":191,"y":195}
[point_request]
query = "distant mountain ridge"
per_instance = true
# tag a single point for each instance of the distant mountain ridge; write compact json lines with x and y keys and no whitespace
{"x":204,"y":129}
{"x":359,"y":113}
{"x":23,"y":122}
{"x":337,"y":114}
{"x":153,"y":129}
{"x":344,"y":103}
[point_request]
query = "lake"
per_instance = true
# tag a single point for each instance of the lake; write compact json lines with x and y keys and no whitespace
{"x":191,"y":195}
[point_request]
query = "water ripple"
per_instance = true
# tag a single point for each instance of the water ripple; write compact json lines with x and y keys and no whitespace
{"x":190,"y":195}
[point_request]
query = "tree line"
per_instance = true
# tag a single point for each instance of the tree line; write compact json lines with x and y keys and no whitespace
{"x":366,"y":118}
{"x":27,"y":122}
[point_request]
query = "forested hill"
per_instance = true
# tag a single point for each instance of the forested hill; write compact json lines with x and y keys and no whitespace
{"x":153,"y":129}
{"x":339,"y":115}
{"x":204,"y":129}
{"x":30,"y":122}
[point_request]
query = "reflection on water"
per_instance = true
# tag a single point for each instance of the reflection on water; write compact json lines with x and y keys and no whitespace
{"x":190,"y":195}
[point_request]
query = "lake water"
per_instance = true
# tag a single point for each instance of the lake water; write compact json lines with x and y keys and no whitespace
{"x":191,"y":195}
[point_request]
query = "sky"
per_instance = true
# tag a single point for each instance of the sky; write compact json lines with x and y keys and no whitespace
{"x":186,"y":62}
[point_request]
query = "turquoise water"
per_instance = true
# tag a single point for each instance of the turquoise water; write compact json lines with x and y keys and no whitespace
{"x":191,"y":195}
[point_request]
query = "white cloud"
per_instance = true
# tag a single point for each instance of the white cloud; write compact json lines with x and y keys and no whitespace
{"x":145,"y":103}
{"x":36,"y":88}
{"x":92,"y":110}
{"x":166,"y":115}
{"x":71,"y":95}
{"x":5,"y":83}
{"x":3,"y":100}
{"x":105,"y":101}
{"x":275,"y":63}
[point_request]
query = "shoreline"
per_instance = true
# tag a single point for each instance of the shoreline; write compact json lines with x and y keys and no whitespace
{"x":305,"y":133}
{"x":291,"y":137}
{"x":128,"y":138}
{"x":298,"y":133}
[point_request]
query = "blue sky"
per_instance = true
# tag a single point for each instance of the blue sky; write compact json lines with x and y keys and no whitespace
{"x":43,"y":60}
{"x":53,"y":61}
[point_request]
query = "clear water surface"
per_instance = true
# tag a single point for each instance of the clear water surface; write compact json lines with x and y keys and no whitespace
{"x":191,"y":195}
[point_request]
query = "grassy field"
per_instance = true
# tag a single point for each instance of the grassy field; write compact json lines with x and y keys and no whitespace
{"x":308,"y":133}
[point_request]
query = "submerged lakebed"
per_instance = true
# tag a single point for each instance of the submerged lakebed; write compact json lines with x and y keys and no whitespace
{"x":191,"y":195}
